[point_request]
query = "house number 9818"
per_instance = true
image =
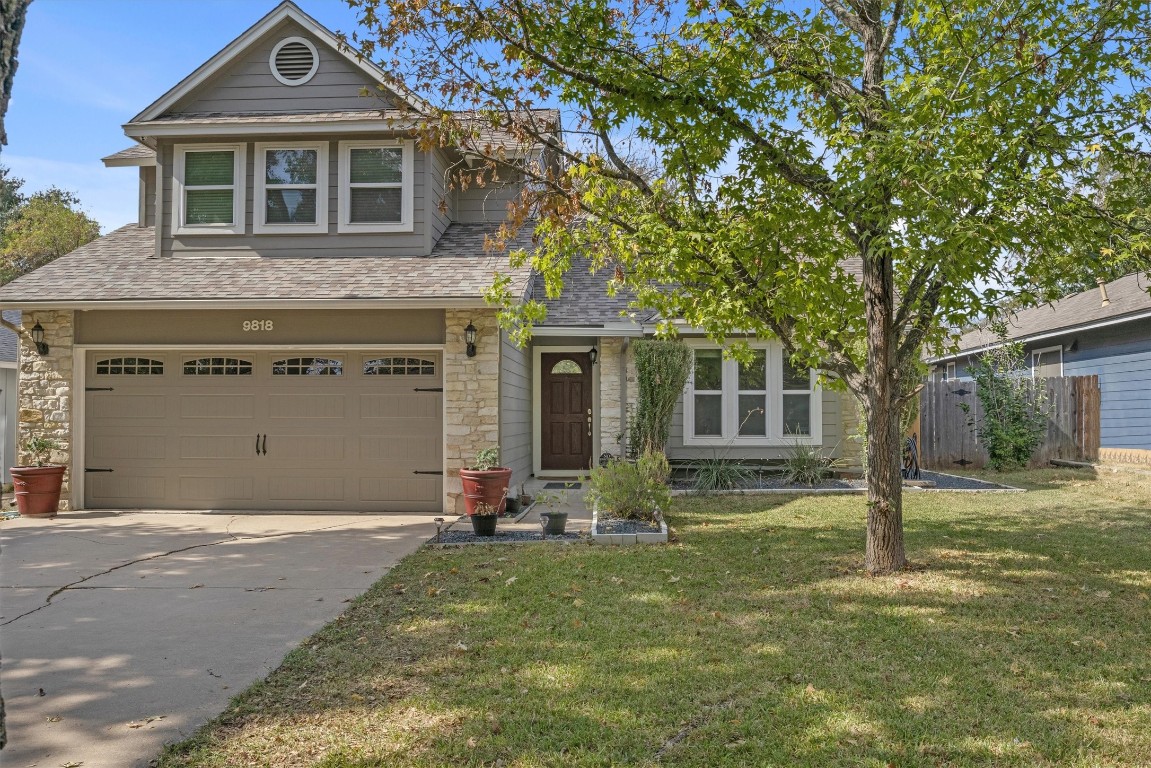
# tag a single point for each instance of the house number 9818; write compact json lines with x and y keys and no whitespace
{"x":257,"y":325}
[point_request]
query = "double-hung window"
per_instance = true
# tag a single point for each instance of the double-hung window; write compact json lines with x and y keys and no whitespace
{"x":209,"y":181}
{"x":760,"y":401}
{"x":291,"y":188}
{"x":376,"y":186}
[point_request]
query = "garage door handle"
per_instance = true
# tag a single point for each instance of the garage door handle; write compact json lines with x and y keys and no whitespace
{"x":428,"y":472}
{"x":265,"y":451}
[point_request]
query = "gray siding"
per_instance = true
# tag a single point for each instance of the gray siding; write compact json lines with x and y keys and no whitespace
{"x":247,"y":84}
{"x":9,"y":417}
{"x":299,"y":246}
{"x":832,"y":437}
{"x":438,"y":211}
{"x":1121,"y":357}
{"x":147,"y":196}
{"x":488,"y":203}
{"x":515,"y":409}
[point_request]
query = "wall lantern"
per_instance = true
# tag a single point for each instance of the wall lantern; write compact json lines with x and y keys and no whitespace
{"x":593,"y":355}
{"x":470,"y":339}
{"x":38,"y":339}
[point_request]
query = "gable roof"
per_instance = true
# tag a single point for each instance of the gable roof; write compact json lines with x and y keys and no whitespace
{"x":137,"y":154}
{"x":1128,"y":300}
{"x":121,"y":268}
{"x":233,"y":50}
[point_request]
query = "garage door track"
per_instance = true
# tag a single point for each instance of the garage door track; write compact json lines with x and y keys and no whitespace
{"x":121,"y":632}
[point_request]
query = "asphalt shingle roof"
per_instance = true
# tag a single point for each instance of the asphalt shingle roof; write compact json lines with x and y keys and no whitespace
{"x":132,"y":155}
{"x":1128,"y":297}
{"x":584,"y":300}
{"x":121,"y":267}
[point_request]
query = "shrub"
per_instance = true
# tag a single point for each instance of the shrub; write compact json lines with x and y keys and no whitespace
{"x":662,"y":368}
{"x":718,"y":474}
{"x":40,"y":449}
{"x":805,"y":464}
{"x":632,"y":491}
{"x":1014,"y":419}
{"x":486,"y":459}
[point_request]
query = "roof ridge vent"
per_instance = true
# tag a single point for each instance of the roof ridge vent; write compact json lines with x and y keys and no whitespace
{"x":294,"y":60}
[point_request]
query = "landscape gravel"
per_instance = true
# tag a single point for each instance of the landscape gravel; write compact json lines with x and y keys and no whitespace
{"x":501,"y":537}
{"x":627,"y":526}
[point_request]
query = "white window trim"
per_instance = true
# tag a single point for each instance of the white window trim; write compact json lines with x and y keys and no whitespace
{"x":276,"y":50}
{"x":407,"y":186}
{"x":260,"y":203}
{"x":1036,"y":353}
{"x":949,"y":372}
{"x":239,"y":194}
{"x":730,"y":394}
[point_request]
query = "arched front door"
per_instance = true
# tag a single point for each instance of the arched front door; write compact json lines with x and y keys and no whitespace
{"x":566,"y":418}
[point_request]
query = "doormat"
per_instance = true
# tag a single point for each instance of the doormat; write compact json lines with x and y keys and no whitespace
{"x":562,"y":486}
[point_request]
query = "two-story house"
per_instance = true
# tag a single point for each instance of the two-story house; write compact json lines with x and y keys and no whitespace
{"x":297,"y":321}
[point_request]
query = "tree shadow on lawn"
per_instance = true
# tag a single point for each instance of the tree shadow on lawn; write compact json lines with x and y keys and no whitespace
{"x":754,"y":641}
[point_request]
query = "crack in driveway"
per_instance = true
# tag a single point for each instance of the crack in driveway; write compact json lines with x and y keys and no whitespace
{"x":230,"y":538}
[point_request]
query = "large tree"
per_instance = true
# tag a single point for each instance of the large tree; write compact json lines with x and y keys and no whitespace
{"x":842,"y":175}
{"x":44,"y":228}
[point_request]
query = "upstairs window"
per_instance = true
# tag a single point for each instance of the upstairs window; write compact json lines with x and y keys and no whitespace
{"x":209,"y":186}
{"x":375,"y":186}
{"x":291,"y":188}
{"x":763,"y":401}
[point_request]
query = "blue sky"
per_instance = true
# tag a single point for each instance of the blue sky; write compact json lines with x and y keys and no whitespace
{"x":88,"y":66}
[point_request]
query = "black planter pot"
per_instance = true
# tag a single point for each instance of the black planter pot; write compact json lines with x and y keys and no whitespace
{"x":484,"y":525}
{"x":557,"y":523}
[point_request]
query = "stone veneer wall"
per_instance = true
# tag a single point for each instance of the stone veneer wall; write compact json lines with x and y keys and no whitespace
{"x":45,"y":391}
{"x":612,"y":437}
{"x":471,"y":395}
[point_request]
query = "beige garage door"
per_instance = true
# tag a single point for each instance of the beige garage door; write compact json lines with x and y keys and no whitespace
{"x":316,"y":430}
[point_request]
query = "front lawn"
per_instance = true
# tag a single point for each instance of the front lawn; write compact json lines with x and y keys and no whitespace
{"x":1021,"y":637}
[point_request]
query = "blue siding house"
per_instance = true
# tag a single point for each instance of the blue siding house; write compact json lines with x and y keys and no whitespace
{"x":1104,"y":332}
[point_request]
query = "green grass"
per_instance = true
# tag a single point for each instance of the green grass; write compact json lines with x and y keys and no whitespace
{"x":1022,"y":636}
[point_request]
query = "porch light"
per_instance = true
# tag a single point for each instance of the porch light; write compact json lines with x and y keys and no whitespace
{"x":470,"y":339}
{"x":593,"y":355}
{"x":38,"y":339}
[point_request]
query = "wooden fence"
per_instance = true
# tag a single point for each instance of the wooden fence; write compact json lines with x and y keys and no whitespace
{"x":948,"y":439}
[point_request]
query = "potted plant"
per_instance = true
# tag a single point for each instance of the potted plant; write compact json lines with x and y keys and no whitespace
{"x":553,"y":521}
{"x":485,"y":482}
{"x":37,"y":487}
{"x":484,"y":519}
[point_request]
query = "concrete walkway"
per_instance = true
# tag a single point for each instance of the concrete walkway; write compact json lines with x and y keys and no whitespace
{"x":121,"y":632}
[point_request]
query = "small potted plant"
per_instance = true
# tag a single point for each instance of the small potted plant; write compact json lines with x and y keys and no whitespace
{"x":553,"y":521}
{"x":37,"y":487}
{"x":485,"y":482}
{"x":484,"y":519}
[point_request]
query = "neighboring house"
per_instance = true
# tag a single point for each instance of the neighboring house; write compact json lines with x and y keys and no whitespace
{"x":287,"y":326}
{"x":9,"y":359}
{"x":1104,"y":332}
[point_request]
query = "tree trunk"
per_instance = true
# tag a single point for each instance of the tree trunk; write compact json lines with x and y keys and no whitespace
{"x":12,"y":13}
{"x":885,"y":551}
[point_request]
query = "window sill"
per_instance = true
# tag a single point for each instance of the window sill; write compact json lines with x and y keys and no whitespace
{"x":374,"y":228}
{"x":751,"y":442}
{"x":210,"y":229}
{"x":290,"y":229}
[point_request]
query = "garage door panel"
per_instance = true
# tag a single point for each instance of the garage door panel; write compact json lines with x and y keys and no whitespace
{"x":313,"y":405}
{"x":130,"y":490}
{"x":400,"y":405}
{"x":216,"y":490}
{"x":223,"y":406}
{"x":350,"y":442}
{"x":314,"y":488}
{"x":121,"y":406}
{"x":420,"y":452}
{"x":218,"y":446}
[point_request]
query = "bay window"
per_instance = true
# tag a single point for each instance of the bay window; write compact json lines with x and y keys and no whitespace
{"x":762,"y":401}
{"x":376,"y":186}
{"x":209,"y":187}
{"x":291,"y":188}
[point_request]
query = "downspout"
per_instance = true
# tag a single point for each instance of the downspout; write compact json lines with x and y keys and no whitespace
{"x":14,"y":328}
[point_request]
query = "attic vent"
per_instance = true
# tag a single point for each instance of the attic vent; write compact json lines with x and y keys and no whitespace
{"x":294,"y":61}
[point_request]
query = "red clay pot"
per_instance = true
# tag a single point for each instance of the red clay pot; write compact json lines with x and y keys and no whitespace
{"x":489,"y":486}
{"x":37,"y":490}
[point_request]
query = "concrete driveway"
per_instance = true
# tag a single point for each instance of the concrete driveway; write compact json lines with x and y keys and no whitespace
{"x":121,"y":632}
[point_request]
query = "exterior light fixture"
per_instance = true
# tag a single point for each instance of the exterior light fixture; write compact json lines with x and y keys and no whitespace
{"x":439,"y":521}
{"x":470,"y":339}
{"x":38,"y":339}
{"x":593,"y":355}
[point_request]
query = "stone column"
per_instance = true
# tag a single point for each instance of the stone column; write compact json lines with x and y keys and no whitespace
{"x":471,"y":396}
{"x":45,"y":391}
{"x":612,"y":437}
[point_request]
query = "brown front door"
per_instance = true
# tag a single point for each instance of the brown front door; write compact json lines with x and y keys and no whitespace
{"x":565,"y":428}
